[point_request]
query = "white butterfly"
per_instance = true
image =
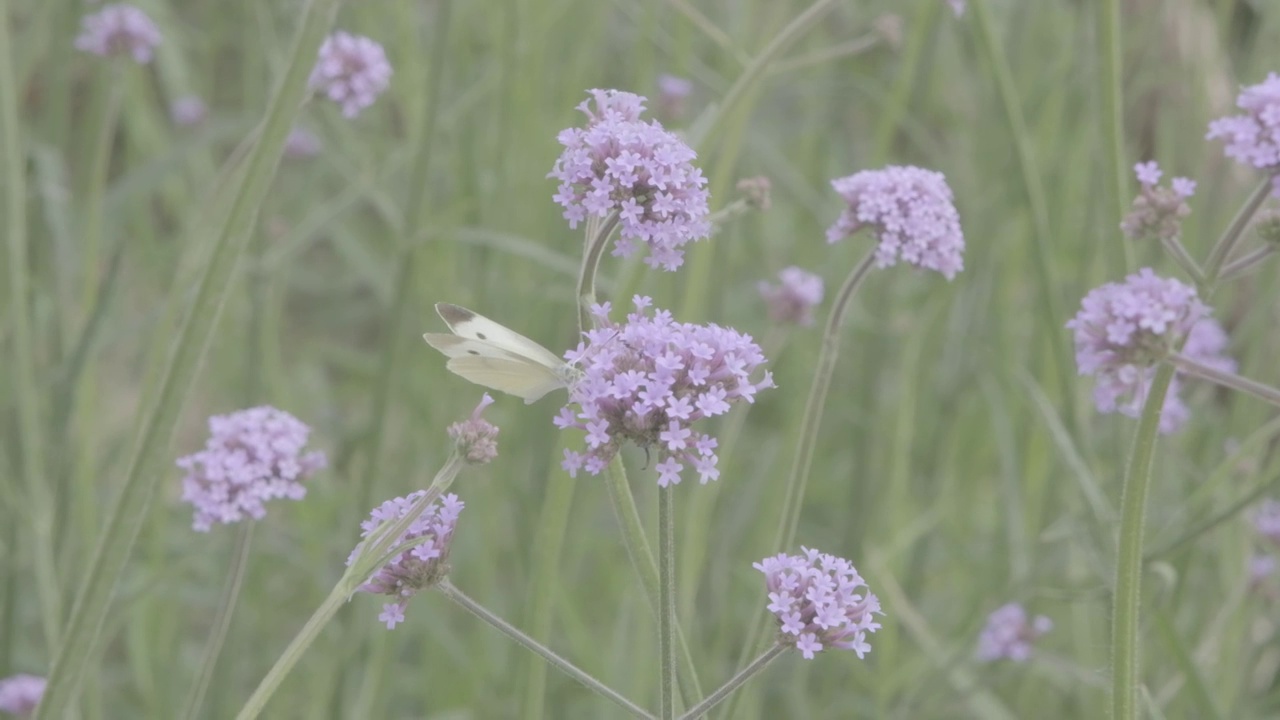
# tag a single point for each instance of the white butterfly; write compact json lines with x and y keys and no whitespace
{"x":497,"y":357}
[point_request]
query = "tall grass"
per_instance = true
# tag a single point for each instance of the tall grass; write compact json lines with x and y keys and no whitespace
{"x":155,"y":275}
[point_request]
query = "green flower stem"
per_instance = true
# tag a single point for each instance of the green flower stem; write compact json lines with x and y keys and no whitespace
{"x":375,"y":552}
{"x":1231,"y":236}
{"x":633,"y":539}
{"x":598,"y":232}
{"x":1125,"y":677}
{"x":91,"y":221}
{"x":1112,"y":108}
{"x":756,"y":69}
{"x":13,"y":164}
{"x":222,"y":621}
{"x":1184,"y":260}
{"x":1225,"y":379}
{"x":156,"y":427}
{"x":850,"y":48}
{"x":798,"y":478}
{"x":453,"y":593}
{"x":667,"y":602}
{"x":734,"y":683}
{"x":1246,"y":263}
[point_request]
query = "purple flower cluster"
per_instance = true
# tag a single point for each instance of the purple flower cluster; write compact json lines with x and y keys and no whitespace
{"x":476,"y":438}
{"x":1157,"y":212}
{"x":820,"y":601}
{"x":1010,"y":633}
{"x":119,"y":30}
{"x":418,"y":567}
{"x":1253,"y":138}
{"x":673,"y":92}
{"x":20,"y":694}
{"x":1267,"y":521}
{"x":957,"y":6}
{"x":1124,"y":329}
{"x":911,"y":212}
{"x":352,"y":71}
{"x":302,"y":143}
{"x":645,"y":174}
{"x":794,"y":298}
{"x":648,"y":381}
{"x":188,"y":110}
{"x":252,"y":456}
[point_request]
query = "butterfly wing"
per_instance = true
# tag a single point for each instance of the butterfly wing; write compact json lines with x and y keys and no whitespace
{"x":515,"y":376}
{"x":474,"y":326}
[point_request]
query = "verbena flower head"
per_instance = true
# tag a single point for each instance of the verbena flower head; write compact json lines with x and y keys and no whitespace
{"x":302,"y":143}
{"x":618,"y":163}
{"x":648,"y":381}
{"x":1261,"y":567}
{"x":252,"y":456}
{"x":20,"y":694}
{"x":1267,"y":521}
{"x":673,"y":92}
{"x":477,"y":438}
{"x":957,"y":6}
{"x":1253,"y":138}
{"x":1009,"y":634}
{"x":1124,"y":329}
{"x":119,"y":30}
{"x":418,"y":567}
{"x":756,"y":191}
{"x":820,"y":602}
{"x":1157,"y":212}
{"x":352,"y":71}
{"x":910,"y":211}
{"x":794,"y":298}
{"x":188,"y":110}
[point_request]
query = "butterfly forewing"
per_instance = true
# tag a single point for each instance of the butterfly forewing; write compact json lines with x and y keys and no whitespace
{"x":474,"y":326}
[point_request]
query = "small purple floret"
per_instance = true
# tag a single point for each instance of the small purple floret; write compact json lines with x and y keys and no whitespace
{"x":793,"y":299}
{"x":20,"y":694}
{"x":119,"y":30}
{"x":1009,"y":634}
{"x":1253,"y":138}
{"x":352,"y":71}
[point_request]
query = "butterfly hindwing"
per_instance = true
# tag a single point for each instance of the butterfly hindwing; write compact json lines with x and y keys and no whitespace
{"x":516,"y":377}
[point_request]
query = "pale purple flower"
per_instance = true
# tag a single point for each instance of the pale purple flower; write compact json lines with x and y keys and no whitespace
{"x":352,"y":71}
{"x":792,"y":300}
{"x":119,"y":30}
{"x":1009,"y":634}
{"x":1157,"y":212}
{"x":957,"y":6}
{"x":20,"y":694}
{"x":648,"y":381}
{"x":820,"y":602}
{"x":1253,"y":138}
{"x":673,"y":92}
{"x":756,"y":191}
{"x":910,"y":211}
{"x":302,"y":143}
{"x":418,"y":567}
{"x":188,"y":110}
{"x":252,"y":456}
{"x":1261,"y":567}
{"x":1267,"y":520}
{"x":644,"y":174}
{"x":476,"y":438}
{"x":1124,"y":329}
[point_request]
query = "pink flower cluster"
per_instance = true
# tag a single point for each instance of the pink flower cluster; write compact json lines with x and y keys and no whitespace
{"x":1253,"y":138}
{"x":119,"y":30}
{"x":1010,"y":633}
{"x":252,"y":456}
{"x":352,"y":71}
{"x":793,"y":299}
{"x":621,"y":164}
{"x":648,"y":381}
{"x":911,"y":212}
{"x":820,"y":602}
{"x":418,"y":567}
{"x":476,"y":438}
{"x":1157,"y":212}
{"x":20,"y":694}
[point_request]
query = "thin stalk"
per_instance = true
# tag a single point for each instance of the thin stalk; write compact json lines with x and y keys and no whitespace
{"x":450,"y":591}
{"x":1246,"y":263}
{"x":1109,"y":81}
{"x":222,"y":621}
{"x":1222,"y":249}
{"x":156,"y":428}
{"x":734,"y":683}
{"x":1125,"y":621}
{"x":798,"y":478}
{"x":1184,"y":260}
{"x":597,"y":239}
{"x":1226,"y":379}
{"x":667,"y":604}
{"x":26,"y":386}
{"x":91,"y":219}
{"x":641,"y":556}
{"x":756,"y":69}
{"x":856,"y":46}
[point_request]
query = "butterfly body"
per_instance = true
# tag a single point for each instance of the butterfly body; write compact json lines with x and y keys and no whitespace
{"x":497,"y":357}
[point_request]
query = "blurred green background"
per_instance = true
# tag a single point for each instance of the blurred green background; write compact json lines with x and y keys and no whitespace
{"x":961,"y":464}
